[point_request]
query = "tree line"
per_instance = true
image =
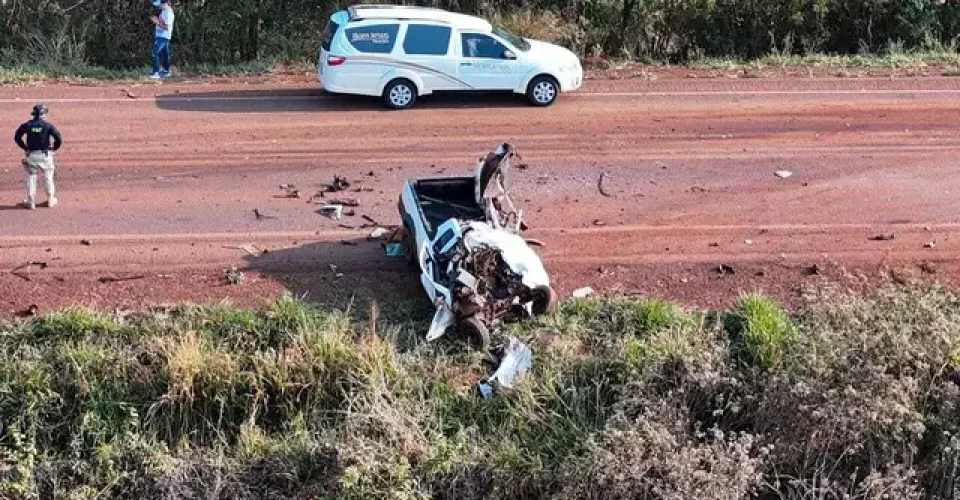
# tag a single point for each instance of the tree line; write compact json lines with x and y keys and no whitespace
{"x":117,"y":33}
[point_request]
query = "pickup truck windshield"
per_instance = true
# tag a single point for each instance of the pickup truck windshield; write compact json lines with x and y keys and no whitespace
{"x":512,"y":39}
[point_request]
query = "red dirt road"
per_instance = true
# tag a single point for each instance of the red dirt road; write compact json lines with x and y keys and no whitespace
{"x":162,"y":179}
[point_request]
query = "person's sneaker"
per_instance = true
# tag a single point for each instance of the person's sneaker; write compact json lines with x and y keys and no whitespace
{"x":165,"y":74}
{"x":28,"y":204}
{"x":52,"y":202}
{"x":154,"y":76}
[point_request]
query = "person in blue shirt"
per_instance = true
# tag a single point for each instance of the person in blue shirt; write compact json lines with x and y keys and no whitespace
{"x":161,"y":39}
{"x":38,"y":154}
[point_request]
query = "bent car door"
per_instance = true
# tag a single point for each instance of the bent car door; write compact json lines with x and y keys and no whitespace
{"x":488,"y":64}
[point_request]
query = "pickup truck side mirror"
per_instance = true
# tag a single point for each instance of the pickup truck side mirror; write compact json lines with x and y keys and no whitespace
{"x":508,"y":54}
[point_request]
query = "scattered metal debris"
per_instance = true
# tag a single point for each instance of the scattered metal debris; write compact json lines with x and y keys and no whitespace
{"x":114,"y":279}
{"x":130,"y":95}
{"x":515,"y":363}
{"x":38,"y":263}
{"x":86,"y":242}
{"x":29,"y":312}
{"x":378,"y":233}
{"x":27,"y":266}
{"x":234,"y":276}
{"x":724,"y":269}
{"x":582,"y":293}
{"x":338,"y":184}
{"x":930,"y":244}
{"x":748,"y":242}
{"x":290,"y":191}
{"x":261,"y":216}
{"x":783,"y":174}
{"x":394,"y":250}
{"x":333,"y":211}
{"x":603,"y":175}
{"x":883,"y":237}
{"x":336,"y":273}
{"x":713,"y":244}
{"x":813,"y":270}
{"x":253,"y":250}
{"x":598,"y":222}
{"x":347,"y":202}
{"x":371,"y":220}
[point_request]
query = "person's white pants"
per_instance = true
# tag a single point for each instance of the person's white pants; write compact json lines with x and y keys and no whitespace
{"x":36,"y":162}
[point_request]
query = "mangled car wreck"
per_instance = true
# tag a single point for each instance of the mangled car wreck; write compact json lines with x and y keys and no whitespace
{"x":464,"y":232}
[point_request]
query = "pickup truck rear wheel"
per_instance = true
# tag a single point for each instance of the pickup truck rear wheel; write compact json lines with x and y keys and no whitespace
{"x":544,"y":300}
{"x":476,"y":332}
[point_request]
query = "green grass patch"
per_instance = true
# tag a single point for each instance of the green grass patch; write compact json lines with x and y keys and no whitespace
{"x":625,"y":395}
{"x":760,"y":331}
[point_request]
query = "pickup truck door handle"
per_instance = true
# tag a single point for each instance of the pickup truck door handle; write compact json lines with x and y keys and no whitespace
{"x":466,"y":64}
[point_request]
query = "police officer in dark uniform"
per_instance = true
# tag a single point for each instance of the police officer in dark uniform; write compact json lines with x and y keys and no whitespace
{"x":38,"y":154}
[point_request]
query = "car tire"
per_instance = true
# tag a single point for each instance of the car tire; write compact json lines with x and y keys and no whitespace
{"x":544,"y":300}
{"x":400,"y":94}
{"x":476,"y":332}
{"x":543,"y":91}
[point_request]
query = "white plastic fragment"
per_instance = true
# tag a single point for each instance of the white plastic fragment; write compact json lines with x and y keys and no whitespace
{"x":378,"y":233}
{"x":516,"y":362}
{"x":332,"y":211}
{"x":581,"y":293}
{"x":783,"y":174}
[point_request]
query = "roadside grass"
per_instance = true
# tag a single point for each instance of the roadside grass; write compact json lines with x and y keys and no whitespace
{"x":912,"y":62}
{"x":890,"y":60}
{"x":849,"y":396}
{"x":14,"y":73}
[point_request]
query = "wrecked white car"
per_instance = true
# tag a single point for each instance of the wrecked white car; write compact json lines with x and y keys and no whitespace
{"x":464,"y":232}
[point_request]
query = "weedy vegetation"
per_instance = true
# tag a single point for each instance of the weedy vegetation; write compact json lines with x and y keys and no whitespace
{"x":848,"y":396}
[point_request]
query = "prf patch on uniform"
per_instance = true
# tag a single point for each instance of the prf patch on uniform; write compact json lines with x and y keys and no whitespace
{"x":36,"y":130}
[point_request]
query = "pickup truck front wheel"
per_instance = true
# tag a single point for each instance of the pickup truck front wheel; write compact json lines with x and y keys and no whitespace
{"x":544,"y":300}
{"x":476,"y":332}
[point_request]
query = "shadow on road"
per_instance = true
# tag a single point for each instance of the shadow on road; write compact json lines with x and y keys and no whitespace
{"x":316,"y":100}
{"x":352,"y":273}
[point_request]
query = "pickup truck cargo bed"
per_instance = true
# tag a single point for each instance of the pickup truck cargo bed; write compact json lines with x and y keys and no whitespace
{"x":445,"y":198}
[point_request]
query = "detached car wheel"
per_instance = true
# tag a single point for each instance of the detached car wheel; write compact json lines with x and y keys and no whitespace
{"x":545,"y":300}
{"x":400,"y":94}
{"x":543,"y":91}
{"x":476,"y":331}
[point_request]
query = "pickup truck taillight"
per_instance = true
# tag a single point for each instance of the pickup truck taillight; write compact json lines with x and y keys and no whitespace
{"x":335,"y":60}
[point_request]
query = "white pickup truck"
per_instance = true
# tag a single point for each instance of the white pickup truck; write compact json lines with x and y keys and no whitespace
{"x":465,"y":234}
